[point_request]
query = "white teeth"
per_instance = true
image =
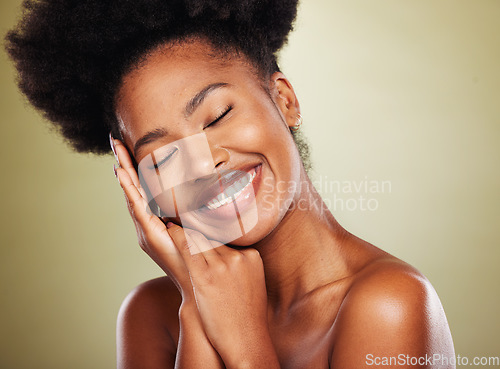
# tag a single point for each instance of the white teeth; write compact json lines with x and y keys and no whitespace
{"x":231,"y":193}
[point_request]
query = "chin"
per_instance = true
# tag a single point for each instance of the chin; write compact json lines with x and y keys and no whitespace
{"x":265,"y":226}
{"x":251,"y":238}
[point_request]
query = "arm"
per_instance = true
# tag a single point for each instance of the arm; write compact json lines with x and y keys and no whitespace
{"x":147,"y":331}
{"x":144,"y":331}
{"x":231,"y":298}
{"x":391,"y":318}
{"x":194,"y":349}
{"x":227,"y":286}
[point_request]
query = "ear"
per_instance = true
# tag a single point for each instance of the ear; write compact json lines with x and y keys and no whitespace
{"x":285,"y":98}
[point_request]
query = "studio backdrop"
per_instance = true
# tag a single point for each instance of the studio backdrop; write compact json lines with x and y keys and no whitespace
{"x":401,"y":107}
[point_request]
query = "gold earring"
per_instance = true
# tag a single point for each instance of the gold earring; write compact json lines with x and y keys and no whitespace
{"x":297,"y":125}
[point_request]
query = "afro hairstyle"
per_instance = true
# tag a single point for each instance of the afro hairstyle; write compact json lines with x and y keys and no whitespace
{"x":72,"y":54}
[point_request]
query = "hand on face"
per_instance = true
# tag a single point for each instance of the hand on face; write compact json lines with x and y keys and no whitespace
{"x":151,"y":231}
{"x":228,"y":285}
{"x":229,"y":290}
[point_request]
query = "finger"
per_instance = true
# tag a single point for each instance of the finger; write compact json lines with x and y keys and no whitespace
{"x":125,"y":161}
{"x":187,"y":247}
{"x":251,"y":253}
{"x":134,"y":198}
{"x":153,"y":228}
{"x":204,"y":245}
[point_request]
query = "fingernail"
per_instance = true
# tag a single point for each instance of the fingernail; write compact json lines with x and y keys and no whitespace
{"x":112,"y":144}
{"x":114,"y":170}
{"x":169,"y":224}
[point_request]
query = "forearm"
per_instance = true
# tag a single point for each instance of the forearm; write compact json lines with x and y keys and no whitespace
{"x":254,"y":350}
{"x":194,"y":350}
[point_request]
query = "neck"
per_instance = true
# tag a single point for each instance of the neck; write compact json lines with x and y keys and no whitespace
{"x":303,"y":253}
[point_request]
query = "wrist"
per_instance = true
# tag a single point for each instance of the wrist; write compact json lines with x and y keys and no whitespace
{"x":188,"y":310}
{"x":257,"y":352}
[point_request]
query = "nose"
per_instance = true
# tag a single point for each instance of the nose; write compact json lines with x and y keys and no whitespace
{"x":201,"y":158}
{"x":220,"y":155}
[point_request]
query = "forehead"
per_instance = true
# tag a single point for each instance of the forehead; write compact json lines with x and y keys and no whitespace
{"x":167,"y":78}
{"x":184,"y":65}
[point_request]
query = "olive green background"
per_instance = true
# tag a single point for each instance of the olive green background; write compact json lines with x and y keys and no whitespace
{"x":400,"y":91}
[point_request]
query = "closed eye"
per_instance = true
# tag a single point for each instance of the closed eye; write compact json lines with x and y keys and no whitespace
{"x":220,"y":116}
{"x":163,"y":161}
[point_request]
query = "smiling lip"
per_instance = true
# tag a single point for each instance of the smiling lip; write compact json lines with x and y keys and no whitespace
{"x":236,"y":188}
{"x":232,"y":192}
{"x":225,"y":180}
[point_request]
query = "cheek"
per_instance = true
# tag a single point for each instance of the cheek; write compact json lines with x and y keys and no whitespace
{"x":276,"y":143}
{"x":264,"y":133}
{"x":270,"y":137}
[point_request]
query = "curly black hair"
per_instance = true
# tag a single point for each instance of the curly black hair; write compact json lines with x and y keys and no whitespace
{"x":72,"y":54}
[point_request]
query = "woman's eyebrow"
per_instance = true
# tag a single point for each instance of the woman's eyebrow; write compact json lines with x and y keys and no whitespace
{"x":191,"y":106}
{"x":149,"y":137}
{"x":196,"y":101}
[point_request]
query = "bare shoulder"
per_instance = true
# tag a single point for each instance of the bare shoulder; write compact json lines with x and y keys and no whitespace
{"x":387,"y":281}
{"x":147,"y":324}
{"x":390,"y":309}
{"x":156,"y":296}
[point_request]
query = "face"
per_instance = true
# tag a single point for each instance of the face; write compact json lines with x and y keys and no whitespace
{"x":213,"y":146}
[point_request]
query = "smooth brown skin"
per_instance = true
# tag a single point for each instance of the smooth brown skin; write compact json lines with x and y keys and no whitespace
{"x":300,"y":291}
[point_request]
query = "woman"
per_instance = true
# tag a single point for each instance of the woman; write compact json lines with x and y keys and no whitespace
{"x":259,"y":275}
